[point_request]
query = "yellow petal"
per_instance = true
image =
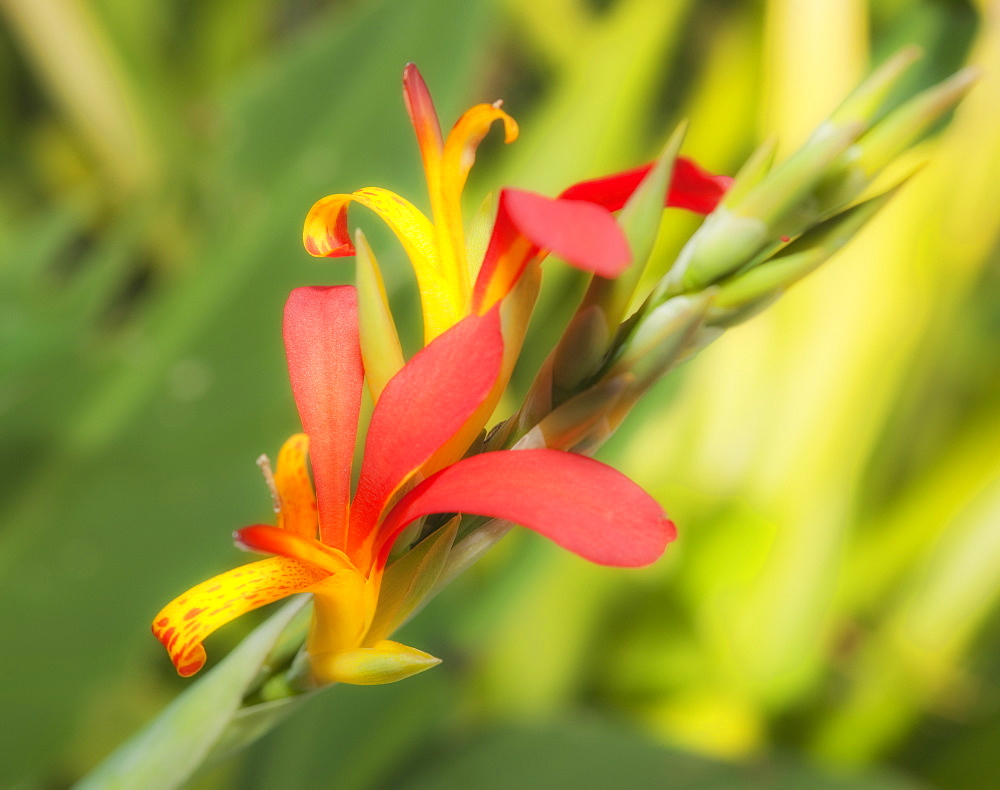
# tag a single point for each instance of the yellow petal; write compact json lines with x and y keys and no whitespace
{"x":296,"y":498}
{"x":184,"y":623}
{"x":446,"y":195}
{"x":515,"y":313}
{"x":385,"y":662}
{"x":344,"y":604}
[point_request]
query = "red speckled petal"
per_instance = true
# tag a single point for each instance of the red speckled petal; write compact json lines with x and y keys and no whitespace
{"x":421,"y":408}
{"x":184,"y":623}
{"x":295,"y":492}
{"x":324,"y":363}
{"x":583,"y":505}
{"x":582,"y":233}
{"x":691,"y":187}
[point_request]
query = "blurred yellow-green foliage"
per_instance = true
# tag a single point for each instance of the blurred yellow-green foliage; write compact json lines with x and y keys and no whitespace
{"x":829,"y":615}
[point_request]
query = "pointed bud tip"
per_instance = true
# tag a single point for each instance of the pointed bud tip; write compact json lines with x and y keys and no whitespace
{"x":385,"y":662}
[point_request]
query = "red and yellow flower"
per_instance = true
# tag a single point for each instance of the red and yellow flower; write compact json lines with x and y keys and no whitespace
{"x":455,"y":279}
{"x":336,"y":547}
{"x":454,"y":282}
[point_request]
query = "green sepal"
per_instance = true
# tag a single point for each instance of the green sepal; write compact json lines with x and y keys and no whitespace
{"x":864,"y":103}
{"x":907,"y":123}
{"x":640,"y":222}
{"x":408,"y":581}
{"x":760,"y":285}
{"x":581,"y":349}
{"x":572,"y":422}
{"x":890,"y":137}
{"x":479,"y":233}
{"x":734,"y":234}
{"x":661,"y":339}
{"x":754,"y":170}
{"x":383,"y":662}
{"x":380,"y":347}
{"x":168,"y":750}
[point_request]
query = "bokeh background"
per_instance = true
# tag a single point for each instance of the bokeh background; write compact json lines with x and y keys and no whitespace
{"x":829,"y":615}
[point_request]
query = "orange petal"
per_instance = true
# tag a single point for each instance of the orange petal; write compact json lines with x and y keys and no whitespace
{"x":530,"y":225}
{"x":295,"y":491}
{"x":271,"y":540}
{"x":184,"y":623}
{"x":421,"y":408}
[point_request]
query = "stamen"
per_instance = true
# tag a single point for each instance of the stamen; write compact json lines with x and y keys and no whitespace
{"x":265,"y":467}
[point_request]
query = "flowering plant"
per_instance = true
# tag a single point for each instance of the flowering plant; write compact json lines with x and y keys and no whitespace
{"x":435,"y":490}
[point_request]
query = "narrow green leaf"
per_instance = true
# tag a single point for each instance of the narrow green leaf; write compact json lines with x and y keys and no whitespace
{"x":594,"y":756}
{"x":172,"y":747}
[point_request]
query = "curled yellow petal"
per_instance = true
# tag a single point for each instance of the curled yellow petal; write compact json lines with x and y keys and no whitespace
{"x":184,"y":623}
{"x":325,"y":234}
{"x":463,"y":140}
{"x":384,"y":662}
{"x":296,"y":498}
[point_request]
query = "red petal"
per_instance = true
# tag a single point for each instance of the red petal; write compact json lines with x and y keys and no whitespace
{"x":324,"y":363}
{"x":421,"y":407}
{"x":578,"y":231}
{"x":581,"y":504}
{"x":691,"y":187}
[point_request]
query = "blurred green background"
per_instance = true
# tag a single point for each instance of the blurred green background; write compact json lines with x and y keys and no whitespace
{"x":829,"y":615}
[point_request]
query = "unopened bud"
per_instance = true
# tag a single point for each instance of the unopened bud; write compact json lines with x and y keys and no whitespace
{"x":661,"y":338}
{"x":384,"y":662}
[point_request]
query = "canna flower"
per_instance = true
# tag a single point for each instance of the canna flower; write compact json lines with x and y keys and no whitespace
{"x":453,"y":280}
{"x":336,"y":548}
